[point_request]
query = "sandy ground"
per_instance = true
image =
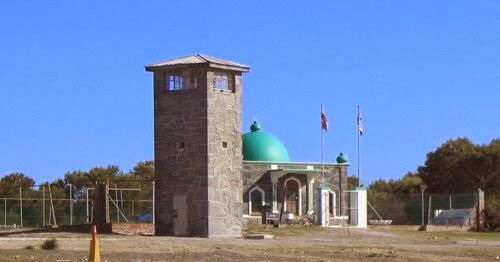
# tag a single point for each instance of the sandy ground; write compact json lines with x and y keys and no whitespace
{"x":290,"y":244}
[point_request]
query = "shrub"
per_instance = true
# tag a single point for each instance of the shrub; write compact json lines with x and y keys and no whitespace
{"x":49,"y":244}
{"x":492,"y":212}
{"x":29,"y":247}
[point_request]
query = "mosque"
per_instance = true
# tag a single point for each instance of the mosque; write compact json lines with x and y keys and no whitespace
{"x":210,"y":178}
{"x":267,"y":171}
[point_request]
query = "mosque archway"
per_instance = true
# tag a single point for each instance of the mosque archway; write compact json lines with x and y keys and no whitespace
{"x":292,"y":203}
{"x":256,"y":201}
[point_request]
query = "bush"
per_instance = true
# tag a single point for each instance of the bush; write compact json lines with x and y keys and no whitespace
{"x":49,"y":244}
{"x":492,"y":212}
{"x":389,"y":206}
{"x":29,"y":247}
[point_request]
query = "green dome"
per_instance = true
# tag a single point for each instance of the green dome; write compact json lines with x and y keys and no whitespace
{"x":261,"y":146}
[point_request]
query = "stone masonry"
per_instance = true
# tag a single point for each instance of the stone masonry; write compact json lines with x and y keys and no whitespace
{"x":198,"y":154}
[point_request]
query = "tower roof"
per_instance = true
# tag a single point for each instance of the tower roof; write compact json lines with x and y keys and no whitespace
{"x":198,"y":59}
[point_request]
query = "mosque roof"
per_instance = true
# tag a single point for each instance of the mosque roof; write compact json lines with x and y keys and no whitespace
{"x":261,"y":146}
{"x":198,"y":59}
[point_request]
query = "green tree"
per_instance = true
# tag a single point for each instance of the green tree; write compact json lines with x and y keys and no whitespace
{"x":352,"y":182}
{"x":9,"y":184}
{"x":104,"y":173}
{"x":451,"y":167}
{"x":459,"y":166}
{"x":77,"y":178}
{"x":9,"y":187}
{"x":395,"y":199}
{"x":144,"y":170}
{"x":408,"y":184}
{"x":81,"y":179}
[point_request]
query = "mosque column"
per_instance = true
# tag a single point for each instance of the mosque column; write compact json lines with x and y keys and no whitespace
{"x":310,"y":186}
{"x":274,"y":181}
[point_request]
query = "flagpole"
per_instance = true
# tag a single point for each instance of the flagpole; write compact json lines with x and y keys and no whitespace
{"x":357,"y":128}
{"x":322,"y":150}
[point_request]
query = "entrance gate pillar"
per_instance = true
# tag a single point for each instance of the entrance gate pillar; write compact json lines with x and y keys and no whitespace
{"x":323,"y":205}
{"x":310,"y":195}
{"x":274,"y":181}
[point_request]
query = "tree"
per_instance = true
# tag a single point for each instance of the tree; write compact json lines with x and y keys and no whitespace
{"x":9,"y":187}
{"x":77,"y":178}
{"x":9,"y":184}
{"x":394,"y":199}
{"x":448,"y":168}
{"x":104,"y":173}
{"x":144,"y":170}
{"x":408,"y":184}
{"x":352,"y":182}
{"x":459,"y":166}
{"x":81,"y":179}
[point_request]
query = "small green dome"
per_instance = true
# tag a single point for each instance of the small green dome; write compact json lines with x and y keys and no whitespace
{"x":341,"y":159}
{"x":261,"y":146}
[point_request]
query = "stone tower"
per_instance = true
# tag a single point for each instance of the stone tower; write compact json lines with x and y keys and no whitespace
{"x":198,"y":146}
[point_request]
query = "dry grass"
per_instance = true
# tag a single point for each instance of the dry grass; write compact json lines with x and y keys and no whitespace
{"x":286,"y":230}
{"x":451,"y":235}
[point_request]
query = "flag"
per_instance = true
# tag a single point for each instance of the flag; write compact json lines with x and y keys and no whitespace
{"x":324,"y":121}
{"x":360,"y":124}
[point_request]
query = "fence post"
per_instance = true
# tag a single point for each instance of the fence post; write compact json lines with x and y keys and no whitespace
{"x":133,"y":213}
{"x":429,"y":211}
{"x":87,"y":203}
{"x":43,"y":205}
{"x":422,"y":187}
{"x":21,"y":205}
{"x":480,"y":218}
{"x":154,"y":187}
{"x":116,"y":199}
{"x":70,"y":204}
{"x":121,"y":198}
{"x":5,"y":212}
{"x":450,"y":201}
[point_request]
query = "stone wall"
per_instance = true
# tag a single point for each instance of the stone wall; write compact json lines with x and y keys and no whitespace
{"x":224,"y":158}
{"x":180,"y":153}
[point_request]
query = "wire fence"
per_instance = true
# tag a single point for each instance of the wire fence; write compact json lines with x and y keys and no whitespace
{"x":69,"y":205}
{"x":420,"y":209}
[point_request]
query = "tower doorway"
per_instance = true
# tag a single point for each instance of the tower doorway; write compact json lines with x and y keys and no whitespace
{"x":180,"y":215}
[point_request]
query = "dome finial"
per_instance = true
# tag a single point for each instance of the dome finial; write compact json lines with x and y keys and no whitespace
{"x":341,"y":159}
{"x":255,"y":127}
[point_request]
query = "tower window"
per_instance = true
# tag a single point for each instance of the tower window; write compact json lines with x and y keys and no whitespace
{"x":175,"y":83}
{"x":224,"y":144}
{"x":220,"y":82}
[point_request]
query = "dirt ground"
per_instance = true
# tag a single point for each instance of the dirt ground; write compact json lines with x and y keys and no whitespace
{"x":293,"y":243}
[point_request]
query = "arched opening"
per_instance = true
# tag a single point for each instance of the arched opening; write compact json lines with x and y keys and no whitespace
{"x":256,"y":198}
{"x":256,"y":201}
{"x":332,"y":205}
{"x":292,"y":196}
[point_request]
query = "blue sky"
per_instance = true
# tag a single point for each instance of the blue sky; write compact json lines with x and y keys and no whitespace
{"x":74,"y":93}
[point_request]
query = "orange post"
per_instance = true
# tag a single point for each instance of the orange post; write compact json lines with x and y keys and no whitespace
{"x":94,"y":252}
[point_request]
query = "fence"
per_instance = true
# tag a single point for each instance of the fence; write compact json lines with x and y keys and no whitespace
{"x":420,"y":209}
{"x":129,"y":202}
